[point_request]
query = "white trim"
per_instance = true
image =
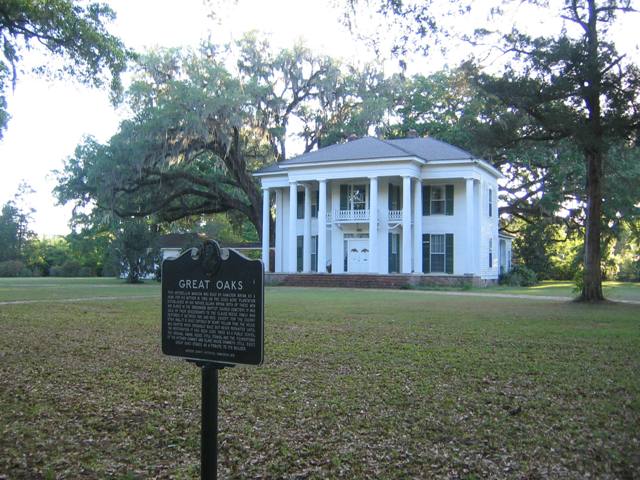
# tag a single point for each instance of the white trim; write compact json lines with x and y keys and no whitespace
{"x":355,"y":161}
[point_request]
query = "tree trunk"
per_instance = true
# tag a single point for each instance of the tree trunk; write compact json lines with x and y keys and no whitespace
{"x":592,"y":279}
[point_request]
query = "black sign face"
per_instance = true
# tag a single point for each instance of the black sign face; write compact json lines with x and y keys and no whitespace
{"x":213,"y":307}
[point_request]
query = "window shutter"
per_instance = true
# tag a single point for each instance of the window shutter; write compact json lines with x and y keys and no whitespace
{"x":390,"y":198}
{"x":426,"y":253}
{"x":449,"y":253}
{"x":389,"y":247}
{"x":344,"y":200}
{"x":490,"y":202}
{"x":314,"y":211}
{"x":300,"y":205}
{"x":300,"y":249}
{"x":314,"y":253}
{"x":426,"y":200}
{"x":449,"y":200}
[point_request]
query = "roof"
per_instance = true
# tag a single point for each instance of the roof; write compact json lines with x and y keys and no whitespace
{"x":427,"y":149}
{"x":431,"y":150}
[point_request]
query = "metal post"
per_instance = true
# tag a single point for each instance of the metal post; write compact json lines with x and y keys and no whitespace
{"x":209,"y":430}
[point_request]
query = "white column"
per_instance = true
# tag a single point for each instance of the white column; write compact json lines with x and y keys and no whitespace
{"x":322,"y":227}
{"x":469,"y":241}
{"x":417,"y":226}
{"x":279,"y":234}
{"x":265,"y":228}
{"x":293,"y":204}
{"x":406,"y":224}
{"x":373,"y":225}
{"x":306,"y":249}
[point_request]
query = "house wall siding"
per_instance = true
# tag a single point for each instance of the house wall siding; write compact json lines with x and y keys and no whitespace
{"x":488,"y":229}
{"x":455,"y":224}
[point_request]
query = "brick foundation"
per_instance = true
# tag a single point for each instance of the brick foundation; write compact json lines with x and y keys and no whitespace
{"x":363,"y":280}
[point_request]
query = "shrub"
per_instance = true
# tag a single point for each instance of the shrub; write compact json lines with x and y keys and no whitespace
{"x":519,"y":276}
{"x":71,"y":268}
{"x":55,"y":271}
{"x":629,"y":270}
{"x":578,"y":281}
{"x":86,"y":272}
{"x":12,"y":268}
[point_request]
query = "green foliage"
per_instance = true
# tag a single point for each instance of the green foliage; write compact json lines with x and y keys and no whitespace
{"x":49,"y":254}
{"x":519,"y":276}
{"x":578,"y":281}
{"x":200,"y":127}
{"x":13,"y":268}
{"x":9,"y":232}
{"x":622,"y":254}
{"x":132,"y":252}
{"x":69,"y":30}
{"x":15,"y":234}
{"x":551,"y":251}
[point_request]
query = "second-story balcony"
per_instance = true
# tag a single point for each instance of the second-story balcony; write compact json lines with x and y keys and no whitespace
{"x":361,"y":216}
{"x":351,"y":216}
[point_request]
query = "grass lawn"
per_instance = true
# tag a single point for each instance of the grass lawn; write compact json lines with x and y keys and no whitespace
{"x":612,"y":290}
{"x":49,"y":288}
{"x":356,"y":384}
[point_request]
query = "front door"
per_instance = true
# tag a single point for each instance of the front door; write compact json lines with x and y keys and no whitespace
{"x":358,"y":255}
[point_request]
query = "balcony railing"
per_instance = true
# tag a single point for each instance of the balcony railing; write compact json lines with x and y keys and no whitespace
{"x":351,"y":216}
{"x":360,"y":216}
{"x":395,"y":215}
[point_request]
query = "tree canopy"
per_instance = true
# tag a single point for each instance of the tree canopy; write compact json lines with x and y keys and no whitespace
{"x":203,"y":121}
{"x":72,"y":32}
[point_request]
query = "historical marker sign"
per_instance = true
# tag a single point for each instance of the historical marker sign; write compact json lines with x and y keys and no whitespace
{"x":212,"y":307}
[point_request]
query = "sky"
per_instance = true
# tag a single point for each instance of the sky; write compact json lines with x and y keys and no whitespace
{"x":50,"y":118}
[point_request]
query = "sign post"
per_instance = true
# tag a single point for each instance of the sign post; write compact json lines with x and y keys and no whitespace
{"x":212,"y":315}
{"x":209,"y":428}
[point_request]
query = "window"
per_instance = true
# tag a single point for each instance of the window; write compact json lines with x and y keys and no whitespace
{"x":358,"y":197}
{"x":300,"y":205}
{"x":437,"y":253}
{"x":491,"y":202}
{"x":491,"y":253}
{"x":353,"y":197}
{"x":395,"y":198}
{"x":437,"y":200}
{"x":315,"y":197}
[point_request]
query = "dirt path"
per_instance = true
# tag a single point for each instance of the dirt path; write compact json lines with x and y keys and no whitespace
{"x":548,"y":298}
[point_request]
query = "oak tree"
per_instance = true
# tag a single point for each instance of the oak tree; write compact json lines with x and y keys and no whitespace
{"x":202,"y":122}
{"x":74,"y":33}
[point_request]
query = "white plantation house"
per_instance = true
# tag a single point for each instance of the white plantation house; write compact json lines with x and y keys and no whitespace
{"x":413,"y":206}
